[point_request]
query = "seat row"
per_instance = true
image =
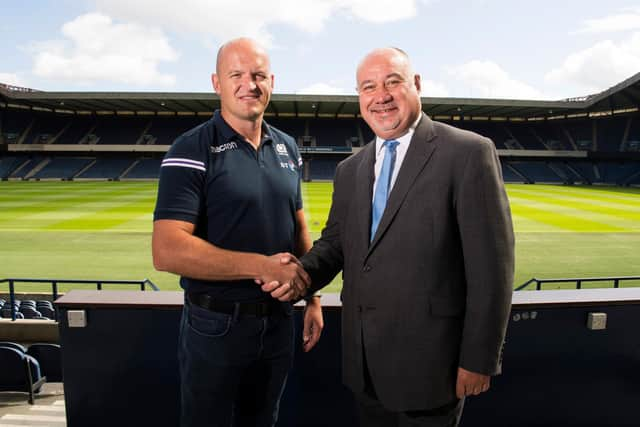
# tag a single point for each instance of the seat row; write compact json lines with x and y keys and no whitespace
{"x":28,"y":309}
{"x":26,"y":369}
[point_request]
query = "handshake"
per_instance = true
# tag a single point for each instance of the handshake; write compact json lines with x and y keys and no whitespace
{"x":283,"y":277}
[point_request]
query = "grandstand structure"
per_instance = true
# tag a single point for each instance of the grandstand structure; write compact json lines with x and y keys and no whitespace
{"x":123,"y":135}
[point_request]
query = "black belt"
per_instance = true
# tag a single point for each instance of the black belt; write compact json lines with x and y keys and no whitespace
{"x":227,"y":307}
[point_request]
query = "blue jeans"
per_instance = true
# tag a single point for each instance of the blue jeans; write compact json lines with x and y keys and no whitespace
{"x":233,"y":368}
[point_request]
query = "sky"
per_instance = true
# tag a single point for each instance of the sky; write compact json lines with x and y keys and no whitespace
{"x":512,"y":49}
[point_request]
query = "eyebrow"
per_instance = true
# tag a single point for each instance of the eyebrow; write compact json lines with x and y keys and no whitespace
{"x":387,"y":77}
{"x":394,"y":75}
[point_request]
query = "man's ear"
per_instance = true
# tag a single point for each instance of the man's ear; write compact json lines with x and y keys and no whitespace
{"x":416,"y":81}
{"x":215,"y":82}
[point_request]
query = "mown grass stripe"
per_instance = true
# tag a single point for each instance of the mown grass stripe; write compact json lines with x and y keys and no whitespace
{"x":563,"y":221}
{"x":624,"y":219}
{"x":630,"y":198}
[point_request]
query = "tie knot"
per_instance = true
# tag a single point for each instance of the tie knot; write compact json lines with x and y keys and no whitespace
{"x":391,"y":144}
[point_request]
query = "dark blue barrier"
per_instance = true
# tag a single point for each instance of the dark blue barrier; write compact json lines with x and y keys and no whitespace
{"x":121,"y":369}
{"x":55,"y":282}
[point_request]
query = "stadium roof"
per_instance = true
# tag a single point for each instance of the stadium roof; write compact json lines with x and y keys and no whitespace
{"x":625,"y":96}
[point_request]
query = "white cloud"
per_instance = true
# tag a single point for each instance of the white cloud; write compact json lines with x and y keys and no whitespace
{"x":433,"y":89}
{"x":379,"y":10}
{"x":624,"y":21}
{"x":252,"y":18}
{"x":599,"y":66}
{"x":486,"y":79}
{"x":323,"y":89}
{"x":12,"y":79}
{"x":95,"y":49}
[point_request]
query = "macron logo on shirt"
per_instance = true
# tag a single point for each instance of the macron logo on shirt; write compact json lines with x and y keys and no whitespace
{"x":183,"y":163}
{"x":224,"y":147}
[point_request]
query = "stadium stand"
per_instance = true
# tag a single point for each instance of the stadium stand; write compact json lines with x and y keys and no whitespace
{"x":81,"y":142}
{"x":164,"y":130}
{"x":552,"y":136}
{"x":618,"y":173}
{"x":321,"y":169}
{"x":106,"y":168}
{"x":295,"y":127}
{"x":14,"y":125}
{"x":609,"y":133}
{"x":488,"y":129}
{"x":511,"y":175}
{"x":45,"y":129}
{"x":120,"y":129}
{"x":536,"y":172}
{"x":62,"y":168}
{"x":25,"y":169}
{"x":29,"y":309}
{"x":333,"y":132}
{"x":582,"y":134}
{"x":522,"y":133}
{"x":8,"y":165}
{"x":77,"y":130}
{"x":143,"y":169}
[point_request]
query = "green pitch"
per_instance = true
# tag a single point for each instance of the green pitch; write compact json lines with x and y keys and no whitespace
{"x":102,"y":230}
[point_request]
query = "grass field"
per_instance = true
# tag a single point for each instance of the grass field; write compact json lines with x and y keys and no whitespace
{"x":102,"y":230}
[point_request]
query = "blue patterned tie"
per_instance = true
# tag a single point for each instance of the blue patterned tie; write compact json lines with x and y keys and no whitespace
{"x":382,"y":189}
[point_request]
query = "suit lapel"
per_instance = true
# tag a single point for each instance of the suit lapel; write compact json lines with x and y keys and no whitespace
{"x":418,"y":154}
{"x":364,"y":191}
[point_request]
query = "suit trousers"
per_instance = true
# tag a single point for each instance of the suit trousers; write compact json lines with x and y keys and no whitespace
{"x":233,"y":367}
{"x":371,"y":413}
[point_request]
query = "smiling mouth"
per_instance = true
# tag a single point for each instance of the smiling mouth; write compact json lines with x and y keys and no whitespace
{"x":385,"y":110}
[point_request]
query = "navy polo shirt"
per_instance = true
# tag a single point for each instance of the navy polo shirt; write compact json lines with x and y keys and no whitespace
{"x":239,"y":198}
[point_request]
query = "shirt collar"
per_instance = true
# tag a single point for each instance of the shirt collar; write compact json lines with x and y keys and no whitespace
{"x":228,"y":133}
{"x":404,"y":139}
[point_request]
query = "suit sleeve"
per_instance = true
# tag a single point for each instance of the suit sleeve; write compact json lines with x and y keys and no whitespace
{"x":486,"y":233}
{"x":325,"y":259}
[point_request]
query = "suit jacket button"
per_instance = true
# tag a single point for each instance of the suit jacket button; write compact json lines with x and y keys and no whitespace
{"x":366,"y":268}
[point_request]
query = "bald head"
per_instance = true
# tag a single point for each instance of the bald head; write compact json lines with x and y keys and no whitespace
{"x":241,"y":44}
{"x":394,"y":54}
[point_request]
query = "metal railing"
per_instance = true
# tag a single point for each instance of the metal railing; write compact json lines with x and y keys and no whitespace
{"x":578,"y":281}
{"x":55,"y":282}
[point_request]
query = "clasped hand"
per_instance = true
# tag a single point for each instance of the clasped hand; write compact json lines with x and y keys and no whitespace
{"x":283,"y":277}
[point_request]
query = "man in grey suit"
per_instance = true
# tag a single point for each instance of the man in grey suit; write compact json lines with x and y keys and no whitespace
{"x":421,"y":227}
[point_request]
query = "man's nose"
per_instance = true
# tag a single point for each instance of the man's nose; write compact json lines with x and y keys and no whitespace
{"x":382,"y":94}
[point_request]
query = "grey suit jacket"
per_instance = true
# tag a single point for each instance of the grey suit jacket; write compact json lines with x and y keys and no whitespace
{"x":432,"y":291}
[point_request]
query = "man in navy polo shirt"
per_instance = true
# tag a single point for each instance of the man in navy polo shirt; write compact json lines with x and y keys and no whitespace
{"x":229,"y":209}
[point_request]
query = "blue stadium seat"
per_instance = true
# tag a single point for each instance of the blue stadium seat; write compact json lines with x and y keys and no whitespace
{"x":48,"y":356}
{"x":30,"y":312}
{"x":20,"y":372}
{"x":15,"y":345}
{"x":6,"y":313}
{"x":47,"y":312}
